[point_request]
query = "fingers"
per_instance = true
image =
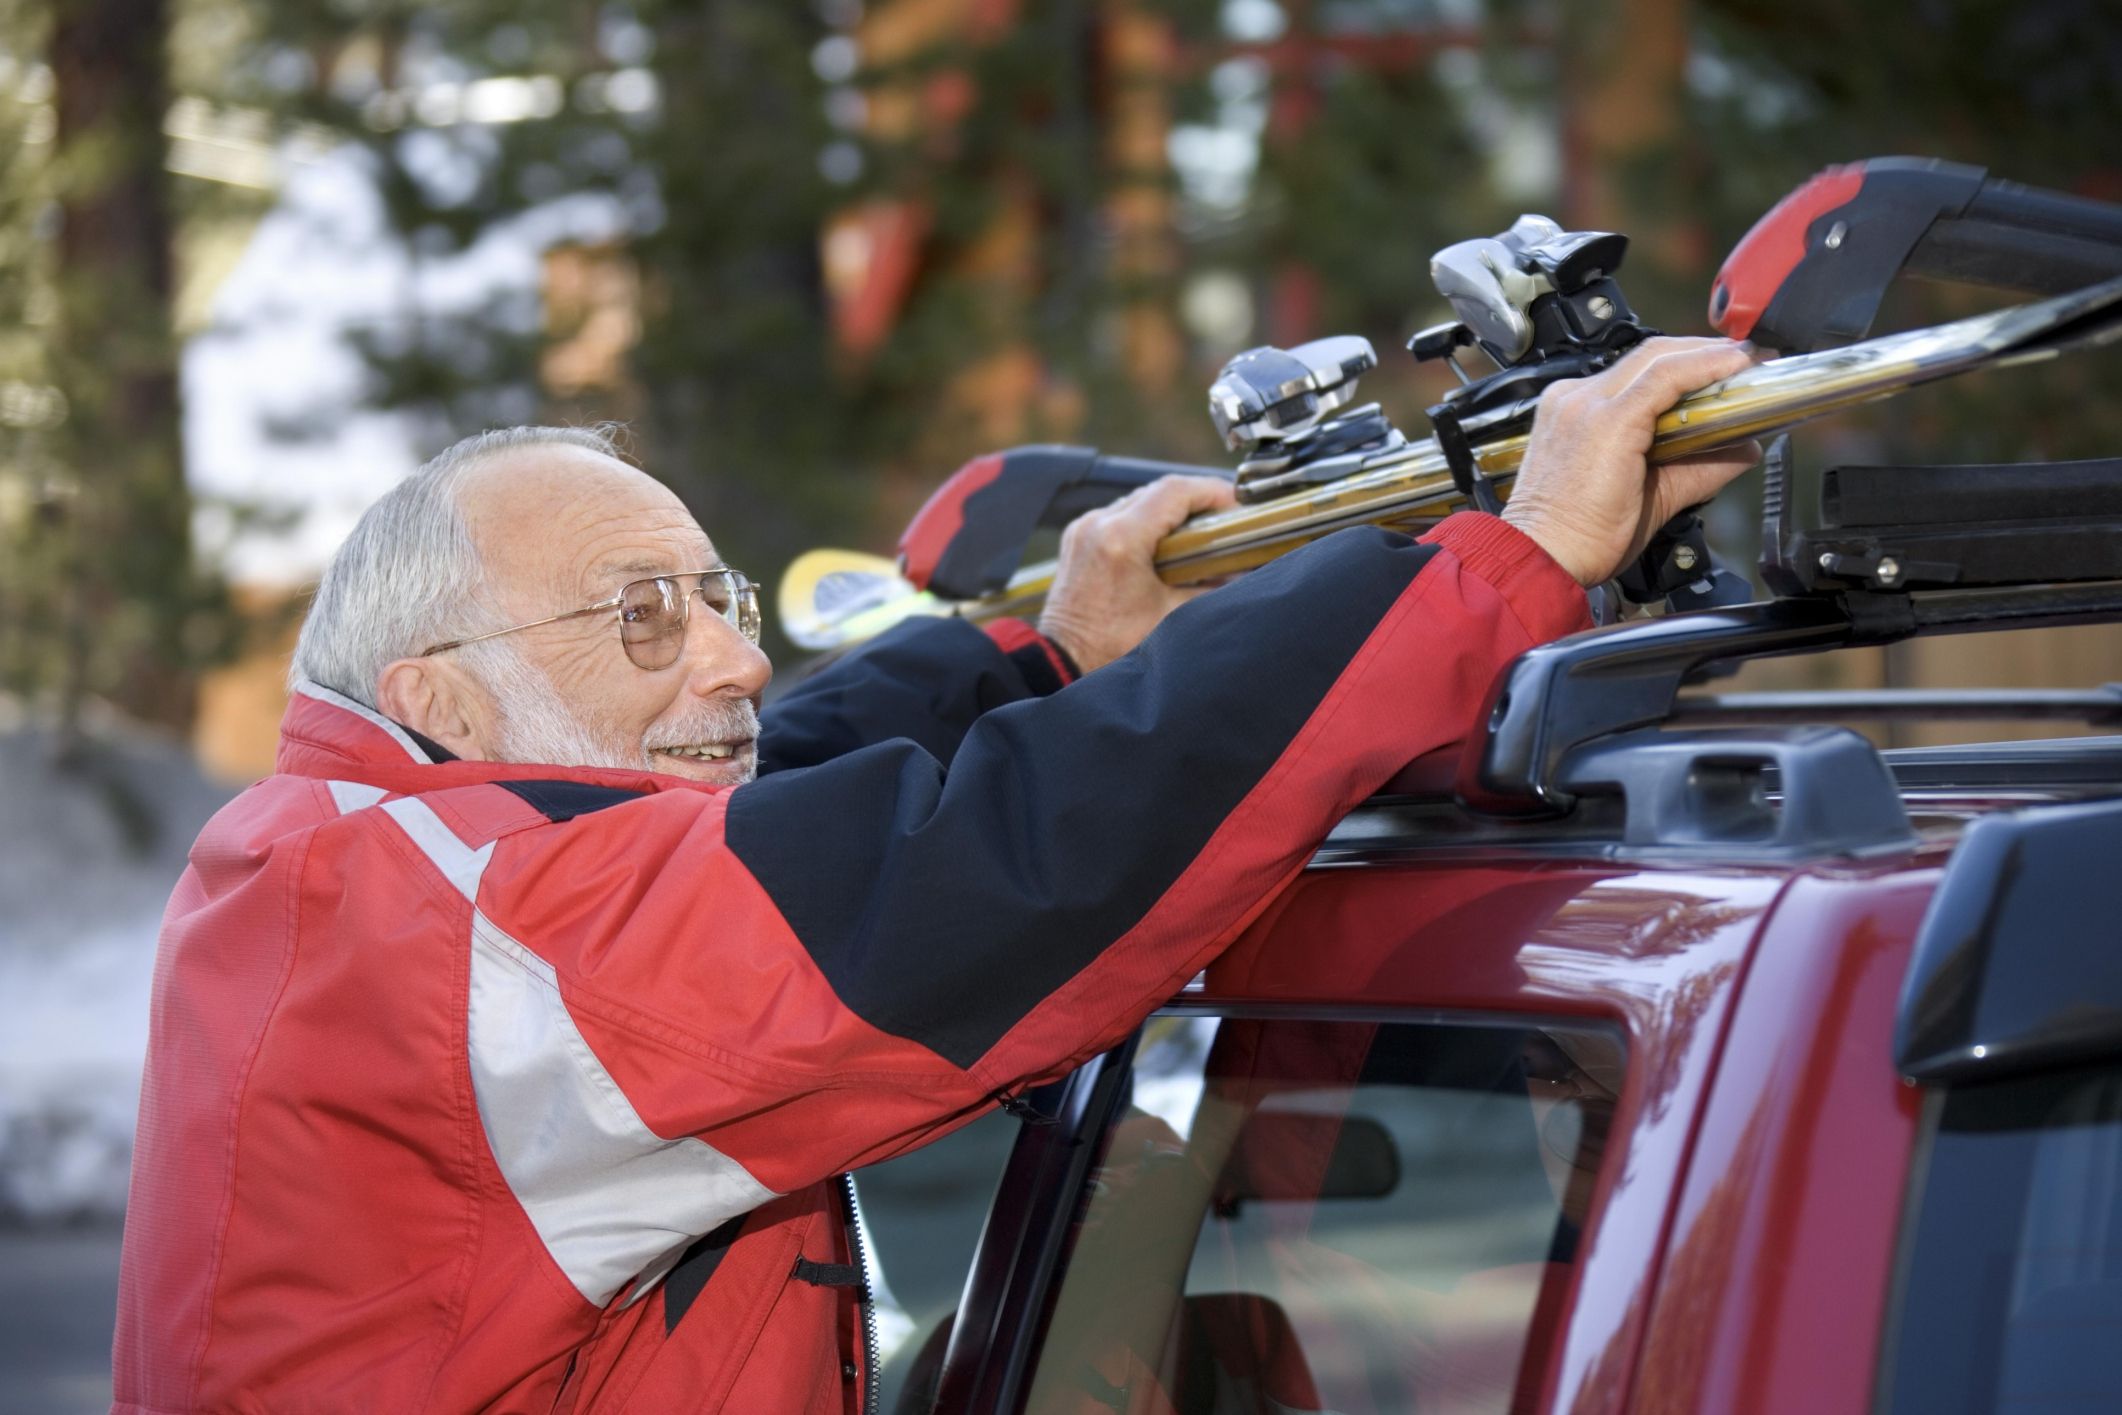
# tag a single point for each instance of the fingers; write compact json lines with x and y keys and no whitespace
{"x":1584,"y":489}
{"x":1149,"y":513}
{"x":1659,"y":372}
{"x":1647,"y":380}
{"x":1174,"y":499}
{"x":1689,"y":481}
{"x":1106,"y":594}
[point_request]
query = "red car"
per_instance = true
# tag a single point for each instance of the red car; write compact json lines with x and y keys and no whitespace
{"x":1778,"y":1075}
{"x":1635,"y":1060}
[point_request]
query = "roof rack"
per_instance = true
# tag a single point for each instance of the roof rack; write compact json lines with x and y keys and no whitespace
{"x":2072,"y":765}
{"x":1558,"y":698}
{"x":1577,"y":718}
{"x":1897,"y":552}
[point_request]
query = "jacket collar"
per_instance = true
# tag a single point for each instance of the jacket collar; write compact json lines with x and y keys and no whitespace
{"x":329,"y":736}
{"x":325,"y":731}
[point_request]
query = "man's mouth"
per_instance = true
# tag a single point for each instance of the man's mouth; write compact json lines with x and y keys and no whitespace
{"x":705,"y":751}
{"x":723,"y":745}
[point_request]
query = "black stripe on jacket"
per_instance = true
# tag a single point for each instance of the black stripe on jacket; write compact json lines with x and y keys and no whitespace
{"x":942,"y":907}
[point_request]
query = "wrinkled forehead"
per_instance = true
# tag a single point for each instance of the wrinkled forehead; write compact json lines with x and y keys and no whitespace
{"x":557,"y":526}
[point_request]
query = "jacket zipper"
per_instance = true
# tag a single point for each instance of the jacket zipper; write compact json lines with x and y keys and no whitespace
{"x":566,"y":1376}
{"x":864,"y":1304}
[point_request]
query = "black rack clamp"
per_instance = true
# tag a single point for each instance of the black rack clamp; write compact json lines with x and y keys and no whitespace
{"x":1893,"y":529}
{"x":1677,"y":567}
{"x":1812,"y":272}
{"x":1555,"y":698}
{"x":1710,"y":790}
{"x":1579,"y":718}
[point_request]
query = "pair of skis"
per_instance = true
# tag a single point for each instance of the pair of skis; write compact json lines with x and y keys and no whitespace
{"x":830,"y":600}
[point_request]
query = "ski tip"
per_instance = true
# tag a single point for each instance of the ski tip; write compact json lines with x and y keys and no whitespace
{"x":830,"y":599}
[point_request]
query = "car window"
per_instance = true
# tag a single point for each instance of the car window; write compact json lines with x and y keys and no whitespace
{"x":1331,"y":1215}
{"x":2011,"y":1290}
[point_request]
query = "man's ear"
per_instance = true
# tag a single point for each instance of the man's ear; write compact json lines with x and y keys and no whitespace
{"x":440,"y":702}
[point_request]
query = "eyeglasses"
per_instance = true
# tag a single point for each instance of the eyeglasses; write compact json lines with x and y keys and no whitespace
{"x":653,"y":614}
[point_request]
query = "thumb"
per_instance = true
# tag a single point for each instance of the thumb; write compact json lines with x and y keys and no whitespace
{"x":1692,"y":480}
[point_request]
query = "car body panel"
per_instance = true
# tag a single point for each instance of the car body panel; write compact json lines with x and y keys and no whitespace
{"x":1775,"y":1287}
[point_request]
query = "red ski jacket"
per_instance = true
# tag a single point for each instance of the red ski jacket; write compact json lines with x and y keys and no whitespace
{"x":498,"y":1087}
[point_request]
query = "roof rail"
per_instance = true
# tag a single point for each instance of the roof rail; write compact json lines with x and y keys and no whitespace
{"x":2100,"y":707}
{"x":1558,"y":698}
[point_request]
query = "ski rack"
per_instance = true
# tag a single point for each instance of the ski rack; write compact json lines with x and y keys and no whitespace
{"x":1893,"y":528}
{"x":1899,"y":551}
{"x":1812,"y":271}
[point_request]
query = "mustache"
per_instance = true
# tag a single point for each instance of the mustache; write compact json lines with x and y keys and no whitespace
{"x":728,"y":720}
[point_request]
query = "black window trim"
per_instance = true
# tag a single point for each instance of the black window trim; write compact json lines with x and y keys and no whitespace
{"x":1000,"y":1320}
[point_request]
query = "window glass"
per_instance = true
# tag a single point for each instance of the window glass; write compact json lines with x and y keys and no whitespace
{"x":922,"y":1213}
{"x":1312,"y":1215}
{"x":2012,"y":1294}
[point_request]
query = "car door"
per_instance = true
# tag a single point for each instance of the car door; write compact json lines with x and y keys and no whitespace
{"x":1412,"y":1145}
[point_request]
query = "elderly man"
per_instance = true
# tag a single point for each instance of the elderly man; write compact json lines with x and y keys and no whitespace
{"x":507,"y":1044}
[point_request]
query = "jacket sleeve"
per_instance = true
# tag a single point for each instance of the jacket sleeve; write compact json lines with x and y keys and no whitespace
{"x":925,"y":681}
{"x":832,"y":964}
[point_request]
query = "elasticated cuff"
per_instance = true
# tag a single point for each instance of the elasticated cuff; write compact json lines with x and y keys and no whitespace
{"x":1046,"y":666}
{"x":1546,"y":598}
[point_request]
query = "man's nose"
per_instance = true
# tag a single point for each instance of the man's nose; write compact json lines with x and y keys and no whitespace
{"x":718,"y":658}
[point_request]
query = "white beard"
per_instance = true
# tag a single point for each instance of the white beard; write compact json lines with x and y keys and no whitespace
{"x":537,"y":725}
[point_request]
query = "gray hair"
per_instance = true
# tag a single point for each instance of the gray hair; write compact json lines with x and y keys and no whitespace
{"x":409,"y":576}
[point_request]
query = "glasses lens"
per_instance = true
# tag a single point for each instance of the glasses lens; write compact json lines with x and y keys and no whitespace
{"x":735,"y":598}
{"x":716,"y":593}
{"x":651,"y":623}
{"x":652,"y":613}
{"x":746,"y":595}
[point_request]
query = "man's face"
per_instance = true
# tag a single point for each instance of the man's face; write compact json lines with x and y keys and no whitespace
{"x":560,"y":528}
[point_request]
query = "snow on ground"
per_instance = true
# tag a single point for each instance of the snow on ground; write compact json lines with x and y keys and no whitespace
{"x":87,"y":861}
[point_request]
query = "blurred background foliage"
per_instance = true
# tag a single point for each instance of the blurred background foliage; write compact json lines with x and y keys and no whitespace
{"x":837,"y":247}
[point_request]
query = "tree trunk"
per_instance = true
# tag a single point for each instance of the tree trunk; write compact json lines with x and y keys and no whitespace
{"x":1628,"y":161}
{"x":131,"y":582}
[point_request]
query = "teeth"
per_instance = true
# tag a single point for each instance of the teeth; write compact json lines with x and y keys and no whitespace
{"x":709,"y":751}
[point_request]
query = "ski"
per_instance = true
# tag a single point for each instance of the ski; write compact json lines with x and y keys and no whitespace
{"x":832,"y":599}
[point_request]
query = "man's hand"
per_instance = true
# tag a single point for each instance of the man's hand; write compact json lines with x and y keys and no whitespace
{"x":1585,"y":491}
{"x":1106,"y":595}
